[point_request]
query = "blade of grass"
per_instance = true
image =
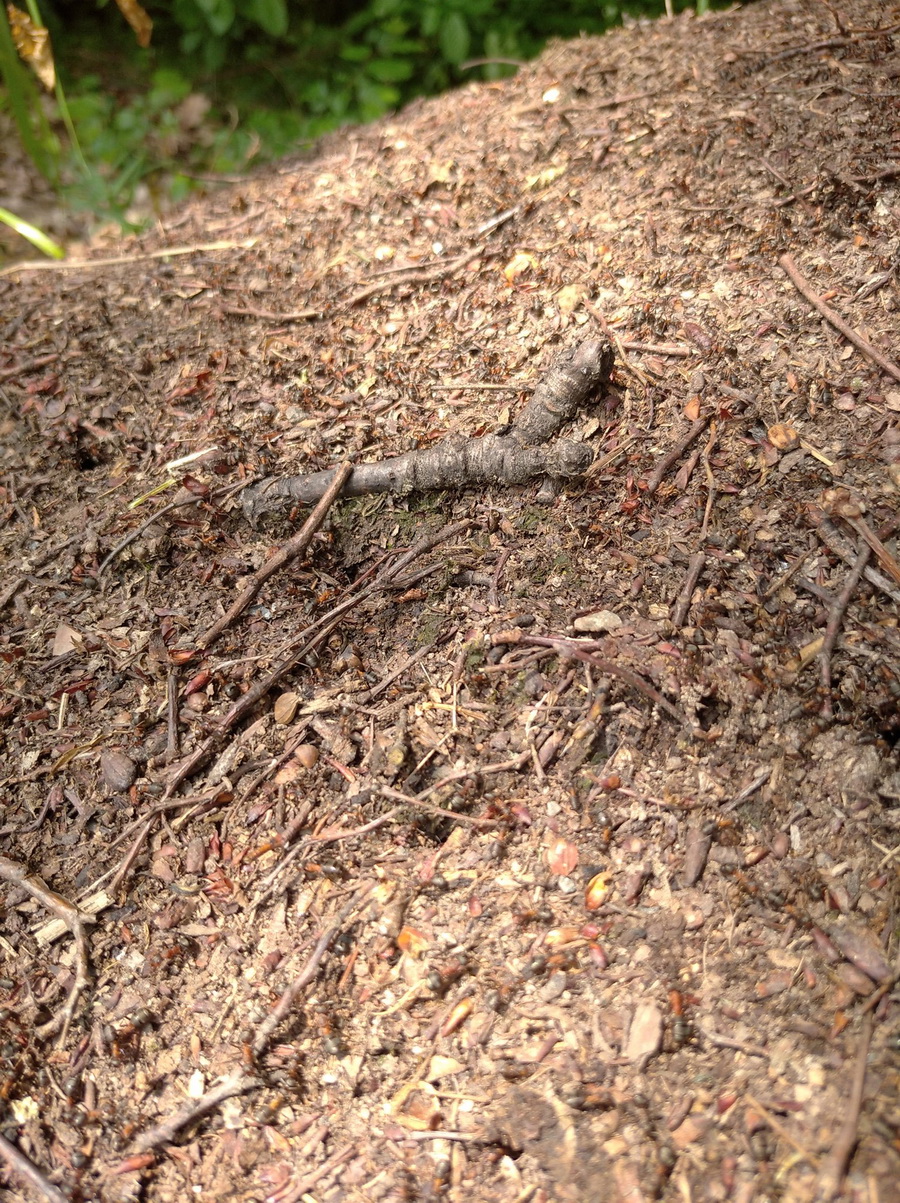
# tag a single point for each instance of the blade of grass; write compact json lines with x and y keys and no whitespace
{"x":35,"y":236}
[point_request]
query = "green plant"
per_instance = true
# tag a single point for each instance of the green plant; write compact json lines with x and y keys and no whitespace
{"x":24,"y":102}
{"x":268,"y":75}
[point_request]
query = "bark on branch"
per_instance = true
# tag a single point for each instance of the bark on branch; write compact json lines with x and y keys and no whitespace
{"x":524,"y":451}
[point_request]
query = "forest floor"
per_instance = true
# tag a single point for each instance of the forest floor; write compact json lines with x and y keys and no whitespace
{"x":556,"y":859}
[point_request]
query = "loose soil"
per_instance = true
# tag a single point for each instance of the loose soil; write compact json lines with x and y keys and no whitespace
{"x":557,"y":861}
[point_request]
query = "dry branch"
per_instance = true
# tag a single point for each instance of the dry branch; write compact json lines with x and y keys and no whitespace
{"x":584,"y":650}
{"x":237,"y":1082}
{"x":836,"y":320}
{"x":294,"y":547}
{"x":833,"y":1168}
{"x":575,"y":379}
{"x":74,"y":919}
{"x":26,"y":1169}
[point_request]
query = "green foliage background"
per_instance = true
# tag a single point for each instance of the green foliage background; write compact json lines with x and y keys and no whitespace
{"x":227,"y":82}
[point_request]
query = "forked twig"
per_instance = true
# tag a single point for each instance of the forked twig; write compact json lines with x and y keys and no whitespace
{"x":655,"y":479}
{"x":308,"y":639}
{"x":239,"y":1081}
{"x":583,"y":649}
{"x":309,"y":970}
{"x":416,"y":275}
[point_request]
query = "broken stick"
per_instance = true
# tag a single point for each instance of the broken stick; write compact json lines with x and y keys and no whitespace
{"x":522,"y":452}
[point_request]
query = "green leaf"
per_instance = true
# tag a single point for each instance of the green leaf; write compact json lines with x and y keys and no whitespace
{"x":270,"y":15}
{"x":390,"y":70}
{"x":219,"y":14}
{"x":454,"y":38}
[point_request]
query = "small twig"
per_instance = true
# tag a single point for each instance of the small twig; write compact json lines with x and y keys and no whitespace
{"x":779,"y":1128}
{"x":397,"y":796}
{"x":416,"y":275}
{"x":481,"y":770}
{"x":833,"y":626}
{"x":785,"y":577}
{"x":369,"y":695}
{"x":264,"y":315}
{"x":67,"y":265}
{"x":30,"y":366}
{"x":835,"y":541}
{"x":836,"y":320}
{"x":309,"y":970}
{"x":583,"y":650}
{"x":885,"y":559}
{"x":436,"y":1134}
{"x":294,"y":547}
{"x":493,"y":599}
{"x":179,"y":503}
{"x":833,"y":1168}
{"x":331,"y":836}
{"x":300,"y":1190}
{"x":74,"y":919}
{"x":481,"y":388}
{"x":671,"y":457}
{"x":121,"y":872}
{"x":305,"y":642}
{"x":885,"y":988}
{"x":683,"y":604}
{"x":172,"y":713}
{"x":25,"y":1168}
{"x":720,"y":1041}
{"x":237,"y":1082}
{"x":748,"y":791}
{"x":658,"y":349}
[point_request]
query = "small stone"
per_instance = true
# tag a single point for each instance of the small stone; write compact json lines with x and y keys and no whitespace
{"x":597,"y":622}
{"x":118,"y":769}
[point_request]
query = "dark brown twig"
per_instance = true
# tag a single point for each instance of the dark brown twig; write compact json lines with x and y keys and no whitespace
{"x":583,"y":650}
{"x":836,"y":320}
{"x":683,"y":604}
{"x":835,"y":541}
{"x":25,"y":1168}
{"x":294,"y":547}
{"x":31,"y":366}
{"x":833,"y":626}
{"x":671,"y":457}
{"x":833,"y":1168}
{"x":264,"y":315}
{"x":309,"y":639}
